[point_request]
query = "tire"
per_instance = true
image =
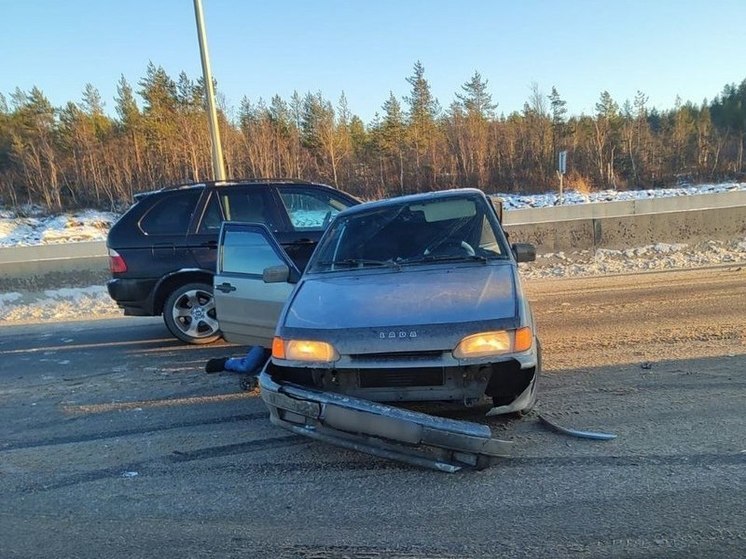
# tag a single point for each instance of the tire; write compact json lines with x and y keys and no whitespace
{"x":189,"y":314}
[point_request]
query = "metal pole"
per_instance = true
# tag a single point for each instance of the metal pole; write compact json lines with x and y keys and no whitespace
{"x":561,"y":170}
{"x":218,"y":168}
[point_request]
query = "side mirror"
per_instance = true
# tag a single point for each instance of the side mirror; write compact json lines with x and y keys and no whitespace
{"x":276,"y":274}
{"x":524,"y":252}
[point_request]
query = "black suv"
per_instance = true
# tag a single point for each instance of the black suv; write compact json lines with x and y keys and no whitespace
{"x":163,"y":251}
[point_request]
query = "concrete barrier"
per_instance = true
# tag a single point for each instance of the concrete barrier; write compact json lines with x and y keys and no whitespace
{"x":626,"y":208}
{"x":37,"y":260}
{"x":613,"y":225}
{"x":687,"y":227}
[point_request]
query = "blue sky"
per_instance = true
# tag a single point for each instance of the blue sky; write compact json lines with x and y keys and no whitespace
{"x":366,"y":49}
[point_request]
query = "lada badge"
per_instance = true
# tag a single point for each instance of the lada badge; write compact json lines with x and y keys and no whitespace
{"x":397,"y":334}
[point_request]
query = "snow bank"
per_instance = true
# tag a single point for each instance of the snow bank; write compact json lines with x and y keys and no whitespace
{"x":59,"y":304}
{"x":88,"y":225}
{"x":660,"y":256}
{"x":572,"y":197}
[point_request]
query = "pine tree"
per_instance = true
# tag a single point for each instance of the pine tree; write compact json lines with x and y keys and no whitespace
{"x":476,"y":100}
{"x":607,"y":124}
{"x":558,"y":109}
{"x":393,"y":135}
{"x":33,"y":144}
{"x":158,"y":90}
{"x":469,"y":115}
{"x":130,"y":120}
{"x":423,"y":109}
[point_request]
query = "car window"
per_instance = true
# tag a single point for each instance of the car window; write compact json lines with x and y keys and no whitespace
{"x":310,"y":210}
{"x":171,"y":214}
{"x":212,"y":218}
{"x":247,"y":252}
{"x":247,"y":205}
{"x":487,"y":239}
{"x":409,"y":234}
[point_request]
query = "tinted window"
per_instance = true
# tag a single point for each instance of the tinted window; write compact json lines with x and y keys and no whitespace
{"x":247,"y":205}
{"x":311,"y":210}
{"x":212,"y":217}
{"x":247,"y":252}
{"x":171,"y":214}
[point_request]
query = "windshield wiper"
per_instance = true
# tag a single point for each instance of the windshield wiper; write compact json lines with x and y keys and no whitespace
{"x":361,"y":262}
{"x":444,"y":258}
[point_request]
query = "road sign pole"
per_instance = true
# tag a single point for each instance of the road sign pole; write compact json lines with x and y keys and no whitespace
{"x":561,"y":170}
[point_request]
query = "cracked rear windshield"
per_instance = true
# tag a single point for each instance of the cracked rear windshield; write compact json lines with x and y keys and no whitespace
{"x":397,"y":235}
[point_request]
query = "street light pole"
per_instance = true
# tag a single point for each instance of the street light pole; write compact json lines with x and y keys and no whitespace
{"x":218,"y":168}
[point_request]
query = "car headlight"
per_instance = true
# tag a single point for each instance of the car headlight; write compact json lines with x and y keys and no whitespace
{"x":494,"y":343}
{"x":304,"y":350}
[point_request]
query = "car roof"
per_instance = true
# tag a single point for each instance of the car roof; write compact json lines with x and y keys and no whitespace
{"x":414,"y":198}
{"x":233,"y":182}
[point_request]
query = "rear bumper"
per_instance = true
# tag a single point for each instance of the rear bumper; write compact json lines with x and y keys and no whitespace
{"x":381,"y":430}
{"x":135,"y":296}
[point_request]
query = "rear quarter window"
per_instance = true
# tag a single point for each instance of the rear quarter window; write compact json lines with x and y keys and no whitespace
{"x":171,"y":214}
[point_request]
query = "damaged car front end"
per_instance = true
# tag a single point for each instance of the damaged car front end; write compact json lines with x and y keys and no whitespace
{"x":385,"y":431}
{"x":411,"y":299}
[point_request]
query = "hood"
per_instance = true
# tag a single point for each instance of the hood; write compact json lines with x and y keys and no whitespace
{"x":411,"y":296}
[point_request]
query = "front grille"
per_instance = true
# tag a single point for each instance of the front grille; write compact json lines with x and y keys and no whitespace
{"x":398,"y":356}
{"x":400,"y":378}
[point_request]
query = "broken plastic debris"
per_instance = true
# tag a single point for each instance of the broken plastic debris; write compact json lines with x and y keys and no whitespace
{"x":130,"y":474}
{"x":576,"y":433}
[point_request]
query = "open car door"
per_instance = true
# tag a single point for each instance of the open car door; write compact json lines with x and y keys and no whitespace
{"x":248,"y":301}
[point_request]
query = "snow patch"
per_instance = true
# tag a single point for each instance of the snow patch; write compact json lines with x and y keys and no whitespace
{"x":657,"y":257}
{"x":58,"y":304}
{"x":9,"y":297}
{"x":87,"y":225}
{"x":572,"y":197}
{"x":308,"y":218}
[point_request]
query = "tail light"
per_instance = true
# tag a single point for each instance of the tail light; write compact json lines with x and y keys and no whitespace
{"x":117,"y":265}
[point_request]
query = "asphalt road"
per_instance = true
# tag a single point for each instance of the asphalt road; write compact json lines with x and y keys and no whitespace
{"x":114,"y":443}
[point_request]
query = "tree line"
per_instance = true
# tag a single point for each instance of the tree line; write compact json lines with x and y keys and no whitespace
{"x":77,"y":155}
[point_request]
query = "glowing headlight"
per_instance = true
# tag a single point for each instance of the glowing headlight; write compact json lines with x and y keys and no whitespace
{"x":494,"y":343}
{"x":304,"y":350}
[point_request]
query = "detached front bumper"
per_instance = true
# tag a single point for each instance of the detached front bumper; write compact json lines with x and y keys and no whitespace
{"x":385,"y":431}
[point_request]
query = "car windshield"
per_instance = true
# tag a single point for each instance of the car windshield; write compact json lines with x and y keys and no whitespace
{"x":411,"y":233}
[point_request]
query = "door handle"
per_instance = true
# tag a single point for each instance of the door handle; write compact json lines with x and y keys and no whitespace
{"x":225,"y":287}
